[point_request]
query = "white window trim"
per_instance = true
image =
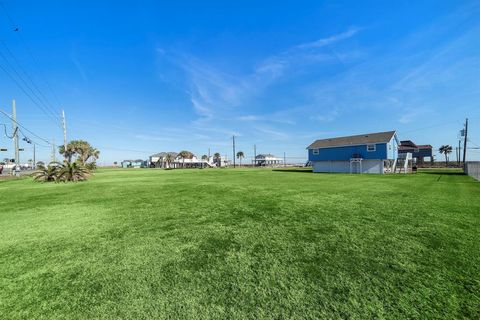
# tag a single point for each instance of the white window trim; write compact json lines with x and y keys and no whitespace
{"x":316,"y":151}
{"x":374,"y":147}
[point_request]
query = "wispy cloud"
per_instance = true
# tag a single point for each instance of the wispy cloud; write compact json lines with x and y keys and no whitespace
{"x":304,"y":54}
{"x":214,"y":92}
{"x":79,"y":68}
{"x":249,"y":118}
{"x":412,"y":115}
{"x":329,"y":40}
{"x":272,"y":134}
{"x":333,"y":84}
{"x":153,"y":137}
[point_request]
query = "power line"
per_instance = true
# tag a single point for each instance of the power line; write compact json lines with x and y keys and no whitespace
{"x":45,"y":107}
{"x":25,"y":92}
{"x":432,"y":126}
{"x":25,"y":128}
{"x":45,"y":100}
{"x":127,"y":150}
{"x":5,"y":129}
{"x":28,"y":140}
{"x":30,"y":52}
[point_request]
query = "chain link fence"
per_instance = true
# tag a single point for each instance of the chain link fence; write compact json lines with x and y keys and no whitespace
{"x":472,"y":168}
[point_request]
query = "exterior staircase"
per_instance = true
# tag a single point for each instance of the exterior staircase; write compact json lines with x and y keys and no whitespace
{"x":403,"y":163}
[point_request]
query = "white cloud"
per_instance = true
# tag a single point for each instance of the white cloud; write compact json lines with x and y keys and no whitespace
{"x":214,"y":93}
{"x":411,"y":115}
{"x":153,"y":137}
{"x":273,"y":134}
{"x":329,"y":40}
{"x":249,"y":118}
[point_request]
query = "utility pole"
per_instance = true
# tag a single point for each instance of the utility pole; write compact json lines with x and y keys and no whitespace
{"x":64,"y":134}
{"x":15,"y":136}
{"x":34,"y":165}
{"x":459,"y":158}
{"x":254,"y":155}
{"x":284,"y":160}
{"x":53,"y":151}
{"x":234,"y":155}
{"x":465,"y":142}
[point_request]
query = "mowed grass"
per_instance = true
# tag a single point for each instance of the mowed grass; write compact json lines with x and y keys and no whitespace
{"x":241,"y":244}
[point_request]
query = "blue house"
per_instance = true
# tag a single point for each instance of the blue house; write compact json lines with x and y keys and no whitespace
{"x":364,"y":153}
{"x":134,"y":163}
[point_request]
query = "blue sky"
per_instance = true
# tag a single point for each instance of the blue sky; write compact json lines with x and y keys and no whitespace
{"x":140,"y":77}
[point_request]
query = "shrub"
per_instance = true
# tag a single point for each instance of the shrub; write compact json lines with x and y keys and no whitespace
{"x":91,"y":166}
{"x":47,"y":173}
{"x":55,"y":171}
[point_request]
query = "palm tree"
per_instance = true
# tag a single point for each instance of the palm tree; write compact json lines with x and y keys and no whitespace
{"x":240,"y":155}
{"x":81,"y":149}
{"x":69,"y":152}
{"x":445,"y":149}
{"x":168,"y":159}
{"x":218,"y":159}
{"x":184,"y":154}
{"x":47,"y":173}
{"x":72,"y":171}
{"x":94,"y":153}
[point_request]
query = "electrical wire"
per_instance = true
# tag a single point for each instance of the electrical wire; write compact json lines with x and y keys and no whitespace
{"x":30,"y":141}
{"x":25,"y":128}
{"x":30,"y":52}
{"x":5,"y":129}
{"x":45,"y":100}
{"x":25,"y":92}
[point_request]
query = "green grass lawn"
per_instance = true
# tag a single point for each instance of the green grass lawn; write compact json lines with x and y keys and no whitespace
{"x":243,"y":243}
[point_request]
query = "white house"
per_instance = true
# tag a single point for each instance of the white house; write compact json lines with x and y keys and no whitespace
{"x":262,"y":160}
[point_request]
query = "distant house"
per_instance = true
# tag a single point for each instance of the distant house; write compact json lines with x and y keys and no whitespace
{"x":158,"y":160}
{"x":262,"y":160}
{"x":364,"y":153}
{"x":220,"y":162}
{"x":139,"y":163}
{"x":419,"y":152}
{"x":193,"y":162}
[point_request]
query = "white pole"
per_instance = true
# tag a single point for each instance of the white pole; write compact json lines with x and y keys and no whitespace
{"x":53,"y":151}
{"x":15,"y":137}
{"x":64,"y":134}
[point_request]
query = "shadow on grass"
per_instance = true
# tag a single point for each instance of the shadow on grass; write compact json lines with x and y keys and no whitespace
{"x":445,"y":173}
{"x":294,"y":170}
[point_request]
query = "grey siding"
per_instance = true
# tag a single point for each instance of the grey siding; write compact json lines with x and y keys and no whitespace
{"x":368,"y":166}
{"x":472,"y":168}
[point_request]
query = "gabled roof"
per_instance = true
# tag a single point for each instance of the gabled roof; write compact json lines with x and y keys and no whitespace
{"x":163,"y":154}
{"x":369,"y":138}
{"x":263,"y":156}
{"x":408,"y":143}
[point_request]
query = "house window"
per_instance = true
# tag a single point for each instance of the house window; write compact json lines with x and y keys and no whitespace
{"x":315,"y":151}
{"x":371,"y":147}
